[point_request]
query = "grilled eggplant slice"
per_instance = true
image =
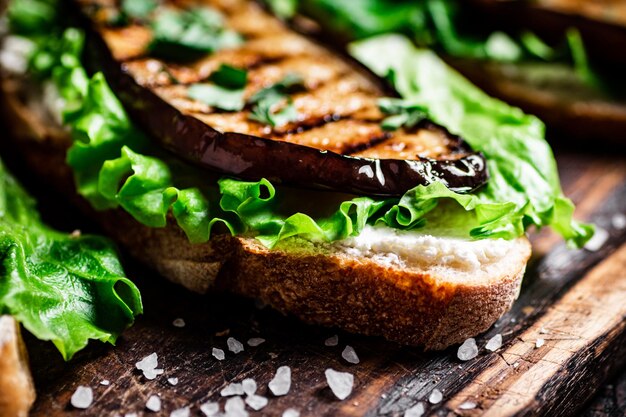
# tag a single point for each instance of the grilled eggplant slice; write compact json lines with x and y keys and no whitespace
{"x":335,"y":141}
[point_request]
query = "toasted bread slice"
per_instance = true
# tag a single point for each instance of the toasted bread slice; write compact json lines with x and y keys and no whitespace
{"x":17,"y":392}
{"x":396,"y":290}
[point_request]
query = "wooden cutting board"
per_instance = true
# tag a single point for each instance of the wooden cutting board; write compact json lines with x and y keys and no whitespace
{"x":610,"y":400}
{"x":575,"y":300}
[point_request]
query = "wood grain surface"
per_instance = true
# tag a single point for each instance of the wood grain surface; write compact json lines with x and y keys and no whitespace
{"x":610,"y":400}
{"x":573,"y":299}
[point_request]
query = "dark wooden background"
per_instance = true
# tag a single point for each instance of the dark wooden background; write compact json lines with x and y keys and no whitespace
{"x":573,"y":290}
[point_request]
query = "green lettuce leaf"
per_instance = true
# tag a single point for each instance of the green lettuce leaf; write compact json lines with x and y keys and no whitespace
{"x":524,"y":186}
{"x":115,"y":166}
{"x":62,"y":288}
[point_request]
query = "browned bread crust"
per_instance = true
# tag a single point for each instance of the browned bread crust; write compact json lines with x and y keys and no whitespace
{"x":410,"y":305}
{"x":17,"y":392}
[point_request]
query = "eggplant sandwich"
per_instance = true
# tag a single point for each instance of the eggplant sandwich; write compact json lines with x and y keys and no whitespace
{"x":367,"y":187}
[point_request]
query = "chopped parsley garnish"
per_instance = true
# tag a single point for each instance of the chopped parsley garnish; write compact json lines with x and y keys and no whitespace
{"x":285,"y":9}
{"x":401,"y":113}
{"x":268,"y":99}
{"x":579,"y":56}
{"x":263,"y":112}
{"x":226,"y":90}
{"x":133,"y":10}
{"x":281,"y":88}
{"x":230,"y":77}
{"x":536,"y":47}
{"x":183,"y":35}
{"x":271,"y":105}
{"x":138,"y":9}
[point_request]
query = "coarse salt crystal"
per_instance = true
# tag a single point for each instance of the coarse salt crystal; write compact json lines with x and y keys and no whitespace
{"x":435,"y":397}
{"x":172,"y":381}
{"x":543,"y":330}
{"x":332,"y":341}
{"x":210,"y":409}
{"x":149,"y":362}
{"x":232,"y":389}
{"x":131,"y":415}
{"x":82,"y":397}
{"x":148,"y":365}
{"x":179,"y":323}
{"x":619,"y":221}
{"x":468,"y":350}
{"x":181,"y":412}
{"x":539,"y":343}
{"x":598,"y":240}
{"x":235,"y":407}
{"x":234,"y":345}
{"x":350,"y":355}
{"x":152,"y":373}
{"x":281,"y":383}
{"x":249,"y":386}
{"x":467,"y":405}
{"x":516,"y":364}
{"x":255,"y":341}
{"x":291,"y":412}
{"x":256,"y":402}
{"x":105,"y":382}
{"x":218,"y":354}
{"x":340,"y":383}
{"x":494,"y":343}
{"x":417,"y":410}
{"x":154,"y":403}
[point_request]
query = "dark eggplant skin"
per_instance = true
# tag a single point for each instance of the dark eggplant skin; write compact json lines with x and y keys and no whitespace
{"x":251,"y":157}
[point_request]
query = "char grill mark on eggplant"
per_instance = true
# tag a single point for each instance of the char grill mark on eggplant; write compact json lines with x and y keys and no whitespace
{"x":336,"y":142}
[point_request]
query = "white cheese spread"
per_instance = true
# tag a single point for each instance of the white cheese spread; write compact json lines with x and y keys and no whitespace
{"x":415,"y":248}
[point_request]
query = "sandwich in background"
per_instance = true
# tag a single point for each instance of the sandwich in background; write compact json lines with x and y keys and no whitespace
{"x":558,"y":60}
